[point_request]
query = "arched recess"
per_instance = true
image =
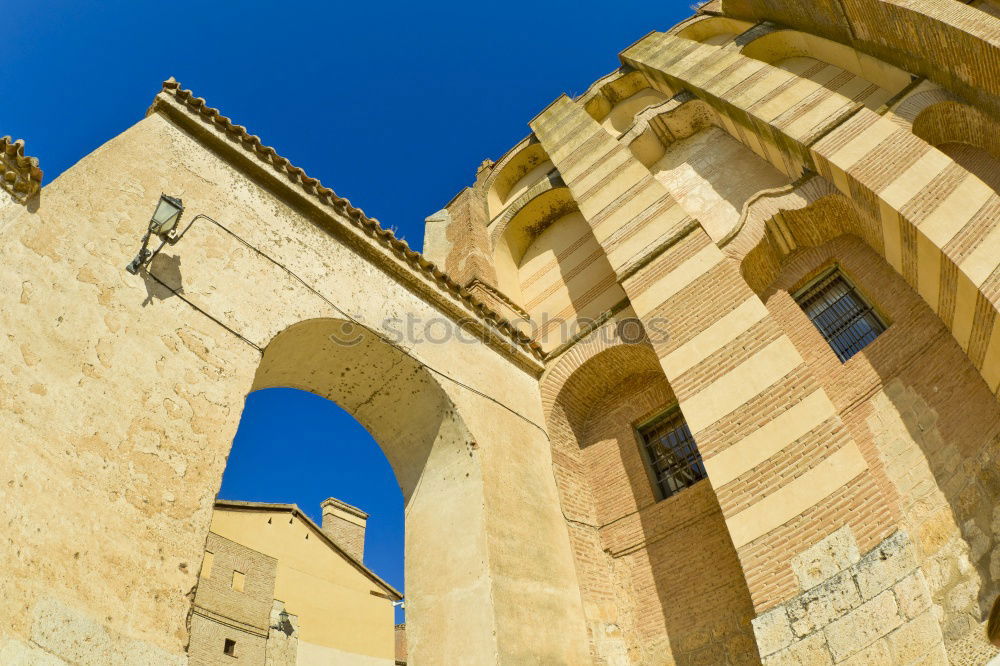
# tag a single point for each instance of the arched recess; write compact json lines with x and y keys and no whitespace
{"x":431,"y":453}
{"x":516,"y":174}
{"x":965,"y":56}
{"x":685,"y":146}
{"x":658,"y":577}
{"x":938,"y":230}
{"x":549,"y":263}
{"x":832,"y":64}
{"x":924,"y":418}
{"x":965,"y":134}
{"x":615,"y":99}
{"x":718,"y":30}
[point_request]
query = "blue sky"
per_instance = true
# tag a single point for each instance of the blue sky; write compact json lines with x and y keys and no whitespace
{"x":392,"y":104}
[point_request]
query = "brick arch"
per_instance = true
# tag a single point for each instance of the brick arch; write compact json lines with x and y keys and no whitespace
{"x":567,"y":379}
{"x":512,"y":208}
{"x":964,"y":58}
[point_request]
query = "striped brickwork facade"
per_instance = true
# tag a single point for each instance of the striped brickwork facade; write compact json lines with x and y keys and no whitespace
{"x":865,"y":158}
{"x":746,"y":393}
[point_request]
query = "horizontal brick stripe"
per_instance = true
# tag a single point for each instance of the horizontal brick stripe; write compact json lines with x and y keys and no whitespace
{"x":662,"y":289}
{"x":769,"y":439}
{"x":747,"y":380}
{"x":714,"y":337}
{"x":806,"y":491}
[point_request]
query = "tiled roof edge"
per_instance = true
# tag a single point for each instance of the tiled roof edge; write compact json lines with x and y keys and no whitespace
{"x":19,"y":173}
{"x":385,"y":237}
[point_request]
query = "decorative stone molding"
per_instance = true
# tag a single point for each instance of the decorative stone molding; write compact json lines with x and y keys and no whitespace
{"x":20,"y":174}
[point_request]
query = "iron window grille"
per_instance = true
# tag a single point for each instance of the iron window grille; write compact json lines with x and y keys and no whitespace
{"x":841,"y":313}
{"x":673,"y":456}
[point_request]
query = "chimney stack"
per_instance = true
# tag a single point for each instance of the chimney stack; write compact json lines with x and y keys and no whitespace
{"x":345,"y":525}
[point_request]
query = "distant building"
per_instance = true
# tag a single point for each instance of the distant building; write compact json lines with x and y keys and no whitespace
{"x":401,"y":644}
{"x":278,"y":590}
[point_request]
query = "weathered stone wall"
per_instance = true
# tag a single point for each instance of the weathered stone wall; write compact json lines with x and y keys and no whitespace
{"x":123,"y":394}
{"x":854,"y":609}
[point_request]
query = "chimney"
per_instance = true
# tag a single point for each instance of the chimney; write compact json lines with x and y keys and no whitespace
{"x":345,"y":525}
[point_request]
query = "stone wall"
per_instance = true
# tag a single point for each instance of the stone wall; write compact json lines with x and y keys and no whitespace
{"x":870,"y":609}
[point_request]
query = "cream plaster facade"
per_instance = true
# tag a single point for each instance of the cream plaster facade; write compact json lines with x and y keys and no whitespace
{"x":339,"y":611}
{"x":640,"y":250}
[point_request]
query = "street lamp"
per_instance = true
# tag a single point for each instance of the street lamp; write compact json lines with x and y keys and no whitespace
{"x":163,"y":224}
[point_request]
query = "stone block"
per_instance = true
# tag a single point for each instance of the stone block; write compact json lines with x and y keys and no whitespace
{"x":915,"y":639}
{"x":828,"y":557}
{"x":963,"y":597}
{"x":863,"y":626}
{"x":16,"y":653}
{"x":810,"y":651}
{"x":876,"y":654}
{"x":936,"y":657}
{"x":772,"y":630}
{"x":818,"y":607}
{"x":885,"y":565}
{"x":912,"y":595}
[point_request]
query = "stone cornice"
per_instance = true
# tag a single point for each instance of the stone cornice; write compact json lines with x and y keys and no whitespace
{"x":348,"y":223}
{"x":19,"y":174}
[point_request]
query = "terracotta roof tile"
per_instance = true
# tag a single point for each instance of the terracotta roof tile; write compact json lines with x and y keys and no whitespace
{"x":19,"y":174}
{"x":357,"y":217}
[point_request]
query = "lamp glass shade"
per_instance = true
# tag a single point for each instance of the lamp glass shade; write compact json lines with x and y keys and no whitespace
{"x":167,"y":214}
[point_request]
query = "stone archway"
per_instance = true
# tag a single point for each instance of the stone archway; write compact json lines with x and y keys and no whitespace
{"x":433,"y":456}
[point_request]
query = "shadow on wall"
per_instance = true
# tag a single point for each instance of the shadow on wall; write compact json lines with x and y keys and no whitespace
{"x":671,"y":560}
{"x":162,"y":278}
{"x":934,"y":421}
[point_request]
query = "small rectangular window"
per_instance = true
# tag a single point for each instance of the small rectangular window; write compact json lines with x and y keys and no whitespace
{"x":239,"y":578}
{"x":229,"y":647}
{"x":674,"y":459}
{"x":206,"y":564}
{"x":841,"y":314}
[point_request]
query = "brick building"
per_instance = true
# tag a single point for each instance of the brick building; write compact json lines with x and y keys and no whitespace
{"x":275,"y":589}
{"x":708,"y":370}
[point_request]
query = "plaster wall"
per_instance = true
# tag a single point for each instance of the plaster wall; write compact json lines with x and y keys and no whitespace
{"x":337,"y":605}
{"x":123,"y":394}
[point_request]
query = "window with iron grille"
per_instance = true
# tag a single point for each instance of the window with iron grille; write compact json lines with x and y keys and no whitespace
{"x":841,"y":314}
{"x":674,"y":459}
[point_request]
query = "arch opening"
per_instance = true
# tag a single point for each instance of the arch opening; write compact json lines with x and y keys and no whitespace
{"x":966,"y":135}
{"x":428,"y":452}
{"x":831,"y":64}
{"x":671,"y":558}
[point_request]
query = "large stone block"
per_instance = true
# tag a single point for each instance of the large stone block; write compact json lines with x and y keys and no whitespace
{"x":915,"y":639}
{"x":818,"y":607}
{"x":885,"y":565}
{"x":773,"y":631}
{"x":863,"y":626}
{"x":912,"y":595}
{"x":828,"y":557}
{"x":876,"y":654}
{"x":811,"y":651}
{"x":16,"y":653}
